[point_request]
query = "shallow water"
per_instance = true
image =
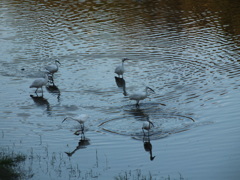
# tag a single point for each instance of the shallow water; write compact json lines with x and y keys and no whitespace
{"x":188,"y":52}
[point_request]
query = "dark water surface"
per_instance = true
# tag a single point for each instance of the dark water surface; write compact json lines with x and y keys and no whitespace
{"x":186,"y":50}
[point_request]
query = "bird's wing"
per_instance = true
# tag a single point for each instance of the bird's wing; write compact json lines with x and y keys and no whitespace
{"x":82,"y":117}
{"x":117,"y":69}
{"x":138,"y":96}
{"x":51,"y":68}
{"x":38,"y":82}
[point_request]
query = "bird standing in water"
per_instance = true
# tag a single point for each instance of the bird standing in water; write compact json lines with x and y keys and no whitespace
{"x":81,"y":119}
{"x":140,"y":95}
{"x":39,"y":83}
{"x":120,"y":69}
{"x":53,"y":68}
{"x":147,"y":125}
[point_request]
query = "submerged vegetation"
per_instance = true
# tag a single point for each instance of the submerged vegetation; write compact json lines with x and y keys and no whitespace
{"x":14,"y":166}
{"x":138,"y":175}
{"x":9,"y":166}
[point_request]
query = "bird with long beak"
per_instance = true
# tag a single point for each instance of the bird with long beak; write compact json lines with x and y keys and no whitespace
{"x":119,"y":70}
{"x":81,"y":119}
{"x":140,"y":95}
{"x":40,"y":82}
{"x":52,"y":69}
{"x":147,"y":125}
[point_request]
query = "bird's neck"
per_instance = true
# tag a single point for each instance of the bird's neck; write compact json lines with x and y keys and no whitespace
{"x":146,"y":90}
{"x":56,"y":64}
{"x":150,"y":124}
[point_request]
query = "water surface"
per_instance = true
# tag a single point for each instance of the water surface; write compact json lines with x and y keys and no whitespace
{"x":187,"y":51}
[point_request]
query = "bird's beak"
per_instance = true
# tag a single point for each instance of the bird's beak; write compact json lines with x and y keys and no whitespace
{"x":151,"y":123}
{"x":58,"y":62}
{"x":77,"y":132}
{"x":125,"y":59}
{"x":64,"y":120}
{"x":151,"y":89}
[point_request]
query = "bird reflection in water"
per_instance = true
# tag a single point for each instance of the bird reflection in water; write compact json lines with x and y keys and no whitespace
{"x":82,"y":144}
{"x":121,"y":84}
{"x":147,"y":126}
{"x":53,"y":89}
{"x":41,"y":102}
{"x":148,"y":146}
{"x":138,"y":114}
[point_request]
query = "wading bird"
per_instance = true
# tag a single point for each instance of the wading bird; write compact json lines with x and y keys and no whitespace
{"x":53,"y":68}
{"x":140,"y":95}
{"x":81,"y":119}
{"x":147,"y":125}
{"x":120,"y":69}
{"x":39,"y":83}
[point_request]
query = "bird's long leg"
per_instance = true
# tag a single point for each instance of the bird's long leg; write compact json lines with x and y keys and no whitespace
{"x":50,"y":78}
{"x":143,"y":132}
{"x":82,"y":131}
{"x":148,"y":137}
{"x":36,"y":91}
{"x":42,"y":91}
{"x":137,"y":104}
{"x":83,"y":135}
{"x":82,"y":127}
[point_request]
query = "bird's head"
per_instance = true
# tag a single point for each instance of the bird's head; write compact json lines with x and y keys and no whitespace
{"x":124,"y":59}
{"x":150,"y":89}
{"x":57,"y":62}
{"x":78,"y":132}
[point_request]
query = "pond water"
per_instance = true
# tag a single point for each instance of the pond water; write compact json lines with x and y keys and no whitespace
{"x":187,"y":51}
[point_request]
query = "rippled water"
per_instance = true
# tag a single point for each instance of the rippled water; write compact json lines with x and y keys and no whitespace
{"x":187,"y":51}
